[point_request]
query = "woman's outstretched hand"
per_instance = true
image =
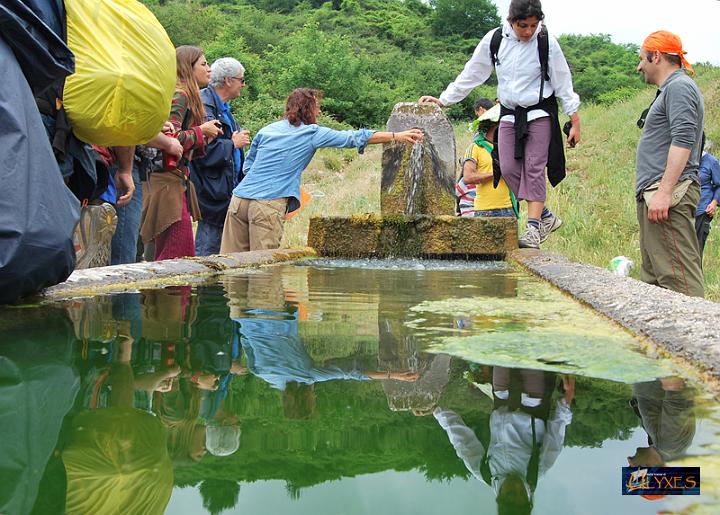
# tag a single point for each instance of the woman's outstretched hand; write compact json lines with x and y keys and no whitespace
{"x":411,"y":136}
{"x":427,"y":99}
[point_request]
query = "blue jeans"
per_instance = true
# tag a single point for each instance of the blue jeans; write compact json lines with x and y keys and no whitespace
{"x":124,"y":243}
{"x":207,"y":239}
{"x":488,"y":213}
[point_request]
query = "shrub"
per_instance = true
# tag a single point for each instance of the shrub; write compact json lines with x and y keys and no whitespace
{"x":617,"y":95}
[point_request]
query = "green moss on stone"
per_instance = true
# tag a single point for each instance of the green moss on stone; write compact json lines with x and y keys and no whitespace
{"x":412,"y":236}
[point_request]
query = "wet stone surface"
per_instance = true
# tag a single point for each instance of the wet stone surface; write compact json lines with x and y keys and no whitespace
{"x":432,"y":120}
{"x":159,"y":273}
{"x":419,"y":179}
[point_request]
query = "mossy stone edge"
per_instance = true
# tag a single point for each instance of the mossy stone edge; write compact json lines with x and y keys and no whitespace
{"x":372,"y":235}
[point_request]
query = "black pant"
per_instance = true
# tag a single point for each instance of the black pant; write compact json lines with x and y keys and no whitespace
{"x":702,"y":229}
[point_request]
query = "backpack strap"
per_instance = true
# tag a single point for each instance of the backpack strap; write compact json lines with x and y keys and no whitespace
{"x":544,"y":56}
{"x":533,"y":467}
{"x":544,"y":52}
{"x":495,"y":45}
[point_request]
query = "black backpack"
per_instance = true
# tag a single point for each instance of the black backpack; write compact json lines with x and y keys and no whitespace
{"x":543,"y":53}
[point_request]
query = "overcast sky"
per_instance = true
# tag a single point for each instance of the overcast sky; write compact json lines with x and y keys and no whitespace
{"x":697,"y":22}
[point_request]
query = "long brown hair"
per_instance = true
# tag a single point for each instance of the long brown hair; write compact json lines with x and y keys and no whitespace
{"x":186,"y":56}
{"x":300,"y":106}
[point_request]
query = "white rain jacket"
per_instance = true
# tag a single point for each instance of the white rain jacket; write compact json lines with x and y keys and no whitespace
{"x":518,"y":74}
{"x":511,"y":441}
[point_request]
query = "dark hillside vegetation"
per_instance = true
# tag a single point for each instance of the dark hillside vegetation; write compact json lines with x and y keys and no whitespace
{"x":368,"y":54}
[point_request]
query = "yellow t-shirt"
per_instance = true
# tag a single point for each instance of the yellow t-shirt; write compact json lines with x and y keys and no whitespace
{"x":487,"y":197}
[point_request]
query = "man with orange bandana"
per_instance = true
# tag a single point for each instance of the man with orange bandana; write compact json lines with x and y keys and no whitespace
{"x":667,"y":186}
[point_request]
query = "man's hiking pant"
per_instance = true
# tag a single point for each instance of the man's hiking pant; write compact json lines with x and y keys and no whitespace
{"x":670,"y":255}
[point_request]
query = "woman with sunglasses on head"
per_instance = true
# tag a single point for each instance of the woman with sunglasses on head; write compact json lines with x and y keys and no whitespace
{"x":277,"y":157}
{"x":171,"y":198}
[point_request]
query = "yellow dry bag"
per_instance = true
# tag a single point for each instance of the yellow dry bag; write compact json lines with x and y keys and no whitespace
{"x":124,"y":78}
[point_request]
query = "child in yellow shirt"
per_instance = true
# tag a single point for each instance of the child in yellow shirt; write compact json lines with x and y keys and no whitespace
{"x":477,"y":167}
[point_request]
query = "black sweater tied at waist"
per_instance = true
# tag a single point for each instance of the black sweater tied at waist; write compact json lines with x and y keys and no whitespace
{"x":556,"y":152}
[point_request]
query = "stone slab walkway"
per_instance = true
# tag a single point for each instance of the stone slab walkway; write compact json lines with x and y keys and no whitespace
{"x":687,"y":327}
{"x":159,"y":273}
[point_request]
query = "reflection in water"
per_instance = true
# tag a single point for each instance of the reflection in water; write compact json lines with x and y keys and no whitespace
{"x":524,"y":440}
{"x":116,"y":461}
{"x":268,"y":329}
{"x":422,"y":395}
{"x":301,"y":375}
{"x":665,"y":408}
{"x":38,"y":385}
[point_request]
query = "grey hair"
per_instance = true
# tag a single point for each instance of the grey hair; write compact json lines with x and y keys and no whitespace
{"x":224,"y":68}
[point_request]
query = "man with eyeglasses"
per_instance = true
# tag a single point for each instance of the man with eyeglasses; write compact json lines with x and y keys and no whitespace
{"x":667,"y":185}
{"x":217,"y":172}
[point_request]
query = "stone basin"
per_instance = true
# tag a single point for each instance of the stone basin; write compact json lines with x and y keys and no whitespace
{"x":374,"y":235}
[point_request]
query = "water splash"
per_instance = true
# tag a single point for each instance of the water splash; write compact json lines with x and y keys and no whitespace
{"x":413,"y":178}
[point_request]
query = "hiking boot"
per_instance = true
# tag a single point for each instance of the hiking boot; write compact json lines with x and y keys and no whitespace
{"x":93,"y":235}
{"x":531,"y":238}
{"x":549,"y":224}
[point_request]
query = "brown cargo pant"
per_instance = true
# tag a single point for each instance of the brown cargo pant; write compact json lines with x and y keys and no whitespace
{"x":253,"y":224}
{"x":670,"y":255}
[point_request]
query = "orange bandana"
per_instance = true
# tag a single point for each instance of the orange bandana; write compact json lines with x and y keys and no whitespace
{"x":667,"y":43}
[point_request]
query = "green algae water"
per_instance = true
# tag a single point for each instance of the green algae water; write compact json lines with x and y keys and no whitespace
{"x":331,"y":387}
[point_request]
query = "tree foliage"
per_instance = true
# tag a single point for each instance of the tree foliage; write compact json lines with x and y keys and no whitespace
{"x":367,"y":55}
{"x":600,"y":66}
{"x":219,"y":494}
{"x":341,"y":71}
{"x":466,"y":18}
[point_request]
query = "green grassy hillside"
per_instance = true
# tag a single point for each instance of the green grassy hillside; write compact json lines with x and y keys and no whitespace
{"x":367,"y":55}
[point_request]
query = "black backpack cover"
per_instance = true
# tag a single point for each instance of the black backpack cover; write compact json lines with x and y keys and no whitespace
{"x":37,"y":212}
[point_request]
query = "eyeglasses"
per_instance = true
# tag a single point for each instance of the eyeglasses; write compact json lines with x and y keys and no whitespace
{"x":241,"y":79}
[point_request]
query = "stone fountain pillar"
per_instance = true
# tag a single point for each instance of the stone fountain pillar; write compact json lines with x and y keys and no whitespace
{"x":419,"y":179}
{"x":417,"y":203}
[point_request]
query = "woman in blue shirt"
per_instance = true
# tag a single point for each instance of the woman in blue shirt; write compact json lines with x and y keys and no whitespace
{"x":277,"y":157}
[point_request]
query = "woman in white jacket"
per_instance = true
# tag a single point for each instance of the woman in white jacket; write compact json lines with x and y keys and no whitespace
{"x":532,"y":73}
{"x":526,"y":435}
